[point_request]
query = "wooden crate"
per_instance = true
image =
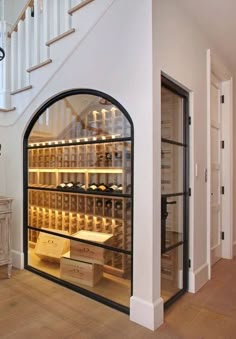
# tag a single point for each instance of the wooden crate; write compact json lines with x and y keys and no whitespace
{"x":91,"y":253}
{"x":50,"y":247}
{"x":80,"y":272}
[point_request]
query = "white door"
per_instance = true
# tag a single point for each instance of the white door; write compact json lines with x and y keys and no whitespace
{"x":216,"y":219}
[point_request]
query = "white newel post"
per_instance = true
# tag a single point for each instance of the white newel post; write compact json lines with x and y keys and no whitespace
{"x":46,"y":29}
{"x":21,"y":55}
{"x":67,"y":18}
{"x":36,"y":32}
{"x":55,"y":17}
{"x":5,"y":67}
{"x":28,"y":43}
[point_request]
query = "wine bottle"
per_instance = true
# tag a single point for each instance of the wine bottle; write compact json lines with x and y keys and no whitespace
{"x":113,"y":187}
{"x":102,"y":187}
{"x":108,"y":204}
{"x":93,"y":187}
{"x":99,"y":203}
{"x":120,"y":188}
{"x":69,"y":185}
{"x":108,"y":156}
{"x":118,"y":205}
{"x":62,"y":185}
{"x":79,"y":186}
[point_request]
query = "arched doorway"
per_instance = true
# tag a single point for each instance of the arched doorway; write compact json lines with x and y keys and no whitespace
{"x":78,"y":195}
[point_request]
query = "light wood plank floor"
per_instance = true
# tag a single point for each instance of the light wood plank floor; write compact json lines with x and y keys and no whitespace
{"x":33,"y":307}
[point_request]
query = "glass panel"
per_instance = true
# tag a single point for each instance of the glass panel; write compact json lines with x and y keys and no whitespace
{"x":72,"y":213}
{"x":172,"y":221}
{"x":171,"y":168}
{"x":171,"y":272}
{"x":83,"y":116}
{"x":106,"y":273}
{"x":79,"y":185}
{"x":171,"y":115}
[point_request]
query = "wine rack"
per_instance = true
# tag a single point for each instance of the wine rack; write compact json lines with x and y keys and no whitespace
{"x":55,"y":205}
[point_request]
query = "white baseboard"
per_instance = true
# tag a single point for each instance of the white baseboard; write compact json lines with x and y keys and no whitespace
{"x":180,"y":279}
{"x":234,"y":248}
{"x":198,"y":278}
{"x":17,"y":259}
{"x":147,"y":314}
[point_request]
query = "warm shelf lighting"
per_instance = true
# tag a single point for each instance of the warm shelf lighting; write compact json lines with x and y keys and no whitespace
{"x":105,"y":170}
{"x":56,"y":170}
{"x":76,"y":170}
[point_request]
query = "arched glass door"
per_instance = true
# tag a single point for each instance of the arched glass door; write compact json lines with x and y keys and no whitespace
{"x":78,"y":195}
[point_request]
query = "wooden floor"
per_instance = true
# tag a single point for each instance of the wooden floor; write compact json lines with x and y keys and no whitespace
{"x":32,"y":307}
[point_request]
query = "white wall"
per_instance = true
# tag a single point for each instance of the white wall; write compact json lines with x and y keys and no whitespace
{"x":234,"y":168}
{"x":12,"y":9}
{"x":180,"y":52}
{"x":115,"y":58}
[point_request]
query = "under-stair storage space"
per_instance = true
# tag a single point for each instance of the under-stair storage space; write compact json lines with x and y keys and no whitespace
{"x":79,"y":196}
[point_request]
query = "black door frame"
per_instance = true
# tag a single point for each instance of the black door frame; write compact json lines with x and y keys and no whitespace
{"x":173,"y":87}
{"x":26,"y":226}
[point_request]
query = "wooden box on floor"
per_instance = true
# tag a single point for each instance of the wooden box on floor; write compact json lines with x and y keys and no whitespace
{"x":50,"y":247}
{"x":91,"y":253}
{"x":80,"y":272}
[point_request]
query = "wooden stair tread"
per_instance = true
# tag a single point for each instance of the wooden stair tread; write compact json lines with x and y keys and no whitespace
{"x":79,"y":6}
{"x":21,"y":90}
{"x":52,"y":41}
{"x":41,"y":64}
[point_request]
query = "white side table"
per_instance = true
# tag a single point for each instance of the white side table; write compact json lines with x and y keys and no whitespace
{"x":5,"y":233}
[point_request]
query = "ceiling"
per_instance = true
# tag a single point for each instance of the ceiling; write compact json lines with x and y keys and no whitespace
{"x":217,"y":19}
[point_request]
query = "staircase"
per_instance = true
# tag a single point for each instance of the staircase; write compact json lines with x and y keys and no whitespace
{"x":45,"y":35}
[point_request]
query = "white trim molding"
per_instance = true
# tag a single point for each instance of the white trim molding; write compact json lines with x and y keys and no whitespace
{"x":198,"y":278}
{"x":146,"y":313}
{"x":17,"y":259}
{"x":215,"y":68}
{"x":234,"y":248}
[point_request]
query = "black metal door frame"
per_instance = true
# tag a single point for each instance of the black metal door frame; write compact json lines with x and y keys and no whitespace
{"x":26,"y":226}
{"x":170,"y":85}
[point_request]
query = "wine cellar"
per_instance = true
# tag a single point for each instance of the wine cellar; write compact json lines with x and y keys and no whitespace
{"x":79,"y":196}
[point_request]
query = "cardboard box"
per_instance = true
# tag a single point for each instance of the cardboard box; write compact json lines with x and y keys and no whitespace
{"x":91,"y":253}
{"x":80,"y":272}
{"x":49,"y":247}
